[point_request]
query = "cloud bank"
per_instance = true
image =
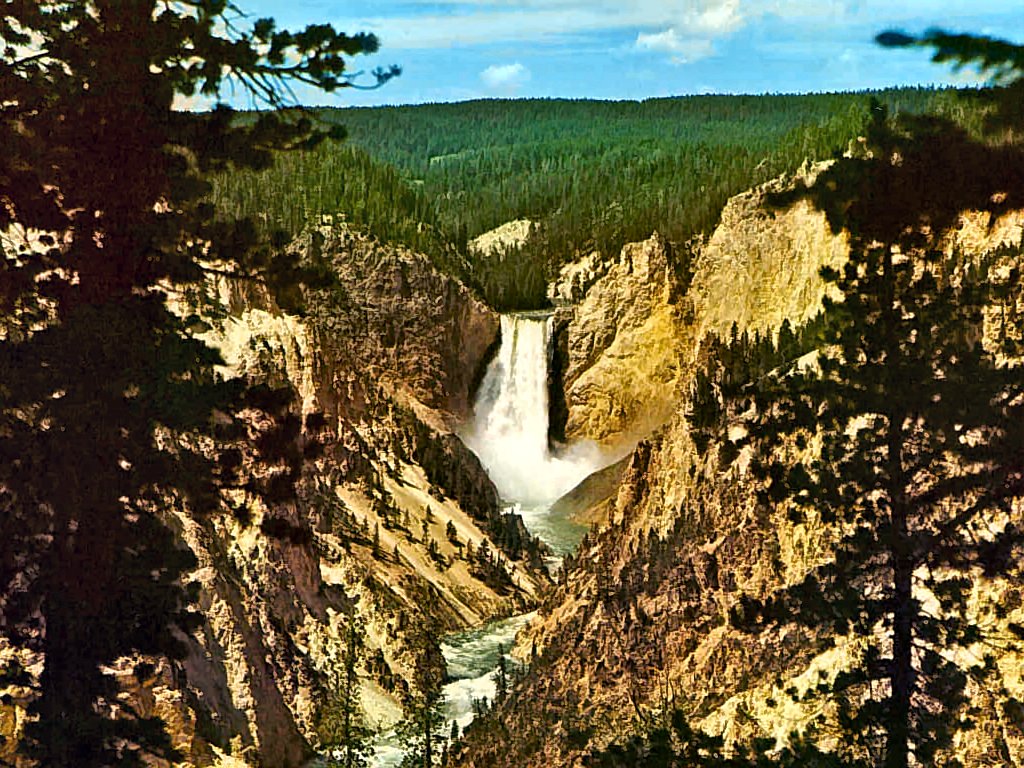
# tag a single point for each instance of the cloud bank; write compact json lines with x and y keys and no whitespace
{"x":505,"y":77}
{"x":439,"y":24}
{"x":481,"y":22}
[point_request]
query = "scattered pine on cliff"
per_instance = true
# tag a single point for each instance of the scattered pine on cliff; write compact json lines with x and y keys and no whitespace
{"x":899,"y":446}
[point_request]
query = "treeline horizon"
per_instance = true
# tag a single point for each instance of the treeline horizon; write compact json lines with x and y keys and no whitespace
{"x":926,"y":87}
{"x":592,"y":174}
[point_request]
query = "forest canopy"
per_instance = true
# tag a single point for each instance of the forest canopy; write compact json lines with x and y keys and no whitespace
{"x":591,"y":175}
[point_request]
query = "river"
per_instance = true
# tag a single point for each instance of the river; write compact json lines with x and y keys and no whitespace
{"x":509,"y":433}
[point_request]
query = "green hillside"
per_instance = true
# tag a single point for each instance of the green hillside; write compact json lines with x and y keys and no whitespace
{"x":594,"y":174}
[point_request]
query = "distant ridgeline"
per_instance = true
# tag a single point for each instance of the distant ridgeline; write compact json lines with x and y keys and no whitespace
{"x":593,"y":174}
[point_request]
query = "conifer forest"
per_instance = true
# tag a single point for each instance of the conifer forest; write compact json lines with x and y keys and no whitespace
{"x":515,"y":429}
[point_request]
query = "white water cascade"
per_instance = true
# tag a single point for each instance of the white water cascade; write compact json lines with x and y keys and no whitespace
{"x":509,"y":432}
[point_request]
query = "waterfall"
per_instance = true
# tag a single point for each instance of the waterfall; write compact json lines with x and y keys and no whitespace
{"x":510,"y":427}
{"x":509,"y":433}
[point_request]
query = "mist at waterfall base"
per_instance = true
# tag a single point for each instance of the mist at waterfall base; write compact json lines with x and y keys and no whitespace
{"x":509,"y":432}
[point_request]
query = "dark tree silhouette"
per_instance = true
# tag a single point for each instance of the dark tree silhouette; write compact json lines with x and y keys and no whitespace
{"x":677,"y":745}
{"x":919,"y":426}
{"x":1000,"y":61}
{"x":501,"y":679}
{"x":111,"y":413}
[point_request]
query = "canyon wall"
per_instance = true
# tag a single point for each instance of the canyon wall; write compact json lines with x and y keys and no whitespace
{"x":388,"y":511}
{"x":619,"y":356}
{"x":385,"y":359}
{"x":630,"y":327}
{"x":640,"y":625}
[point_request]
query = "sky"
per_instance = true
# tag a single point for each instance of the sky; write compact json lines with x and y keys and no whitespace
{"x":454,"y":50}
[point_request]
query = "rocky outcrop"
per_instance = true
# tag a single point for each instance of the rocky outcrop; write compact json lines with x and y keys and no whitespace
{"x":761,"y":266}
{"x":628,"y":329}
{"x":592,"y":500}
{"x":623,"y":348}
{"x":395,"y":322}
{"x":497,"y":241}
{"x":640,"y":624}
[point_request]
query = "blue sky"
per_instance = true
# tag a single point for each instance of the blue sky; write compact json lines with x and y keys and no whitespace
{"x":452,"y":50}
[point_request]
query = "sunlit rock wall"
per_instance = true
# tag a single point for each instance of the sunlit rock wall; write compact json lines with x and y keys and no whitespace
{"x":640,"y":625}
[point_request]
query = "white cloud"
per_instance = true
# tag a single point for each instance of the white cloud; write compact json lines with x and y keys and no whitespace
{"x":694,"y":29}
{"x":474,"y":22}
{"x":458,"y":23}
{"x":681,"y":50}
{"x":507,"y":77}
{"x":717,"y":18}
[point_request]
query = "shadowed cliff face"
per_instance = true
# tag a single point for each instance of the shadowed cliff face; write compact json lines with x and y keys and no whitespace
{"x":640,"y":625}
{"x":397,"y":323}
{"x":382,"y":367}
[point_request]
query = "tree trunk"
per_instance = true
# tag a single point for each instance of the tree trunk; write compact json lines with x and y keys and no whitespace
{"x":65,"y":732}
{"x":901,"y":677}
{"x":897,"y":747}
{"x":428,"y":755}
{"x":351,"y":686}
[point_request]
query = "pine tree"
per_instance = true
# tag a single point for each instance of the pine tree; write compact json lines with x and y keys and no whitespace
{"x":501,"y":677}
{"x":422,"y":731}
{"x":344,"y":735}
{"x":111,"y":410}
{"x":920,"y":437}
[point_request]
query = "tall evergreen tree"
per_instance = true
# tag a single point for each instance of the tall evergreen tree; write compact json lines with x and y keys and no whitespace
{"x":501,"y":676}
{"x":109,"y":406}
{"x":919,"y":427}
{"x":343,"y":731}
{"x":422,"y":731}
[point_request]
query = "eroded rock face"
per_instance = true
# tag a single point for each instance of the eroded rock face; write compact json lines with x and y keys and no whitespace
{"x":494,"y":243}
{"x":628,"y":329}
{"x":640,"y":626}
{"x":634,"y":324}
{"x":397,"y":322}
{"x":623,"y":347}
{"x":388,"y":359}
{"x":761,"y":266}
{"x":387,"y":514}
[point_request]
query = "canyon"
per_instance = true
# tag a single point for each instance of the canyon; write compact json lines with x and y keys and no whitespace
{"x":405,"y":380}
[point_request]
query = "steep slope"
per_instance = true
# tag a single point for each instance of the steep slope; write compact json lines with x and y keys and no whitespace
{"x":639,"y":626}
{"x":390,"y":508}
{"x":388,"y":358}
{"x":618,"y":351}
{"x":631,"y":329}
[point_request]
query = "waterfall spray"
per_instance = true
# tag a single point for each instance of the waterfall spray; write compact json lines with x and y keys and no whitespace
{"x":510,"y":428}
